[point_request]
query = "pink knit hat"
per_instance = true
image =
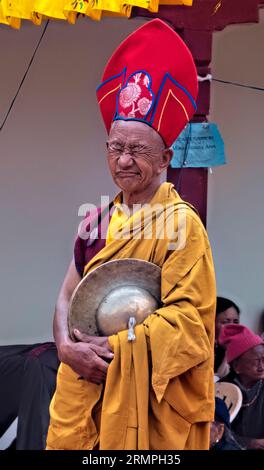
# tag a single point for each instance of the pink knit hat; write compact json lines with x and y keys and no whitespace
{"x":237,"y":339}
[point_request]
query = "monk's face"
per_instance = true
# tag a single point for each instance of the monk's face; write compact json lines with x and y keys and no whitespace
{"x":136,"y":156}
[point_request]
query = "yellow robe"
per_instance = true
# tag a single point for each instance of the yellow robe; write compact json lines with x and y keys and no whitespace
{"x":159,"y":389}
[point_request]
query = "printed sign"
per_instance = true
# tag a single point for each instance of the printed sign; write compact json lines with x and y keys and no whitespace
{"x":199,"y":145}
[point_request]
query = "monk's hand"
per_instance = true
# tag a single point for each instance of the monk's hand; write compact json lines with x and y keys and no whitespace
{"x":90,"y":361}
{"x":101,"y":341}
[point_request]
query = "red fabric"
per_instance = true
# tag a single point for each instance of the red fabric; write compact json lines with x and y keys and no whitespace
{"x":87,"y":243}
{"x":151,"y":77}
{"x":237,"y":340}
{"x":191,"y":184}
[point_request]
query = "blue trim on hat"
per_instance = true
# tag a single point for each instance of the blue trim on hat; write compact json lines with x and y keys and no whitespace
{"x":166,"y":76}
{"x":122,"y":118}
{"x":112,"y":78}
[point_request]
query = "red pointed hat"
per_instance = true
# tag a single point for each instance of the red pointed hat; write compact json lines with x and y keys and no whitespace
{"x":151,"y":78}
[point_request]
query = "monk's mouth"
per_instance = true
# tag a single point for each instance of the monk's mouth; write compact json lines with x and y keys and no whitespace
{"x":126,"y":175}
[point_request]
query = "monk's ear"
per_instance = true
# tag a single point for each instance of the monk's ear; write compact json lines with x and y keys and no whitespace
{"x":166,"y":158}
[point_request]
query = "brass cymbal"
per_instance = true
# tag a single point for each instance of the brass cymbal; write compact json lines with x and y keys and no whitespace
{"x":108,"y":296}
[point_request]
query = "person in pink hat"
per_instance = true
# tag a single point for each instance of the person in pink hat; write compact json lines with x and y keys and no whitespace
{"x":245,"y":354}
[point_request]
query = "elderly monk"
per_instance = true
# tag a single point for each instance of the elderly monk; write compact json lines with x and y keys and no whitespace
{"x":155,"y":392}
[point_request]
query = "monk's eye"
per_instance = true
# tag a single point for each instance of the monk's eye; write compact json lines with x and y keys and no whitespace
{"x":115,"y":148}
{"x":137,"y":150}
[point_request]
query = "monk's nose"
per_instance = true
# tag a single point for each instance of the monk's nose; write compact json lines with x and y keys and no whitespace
{"x":125,"y":160}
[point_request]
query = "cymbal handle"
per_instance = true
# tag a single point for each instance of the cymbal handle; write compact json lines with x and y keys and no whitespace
{"x":131,"y":332}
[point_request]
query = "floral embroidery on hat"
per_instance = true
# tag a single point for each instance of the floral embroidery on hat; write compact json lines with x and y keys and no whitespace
{"x":144,"y":105}
{"x":135,"y":98}
{"x":129,"y":95}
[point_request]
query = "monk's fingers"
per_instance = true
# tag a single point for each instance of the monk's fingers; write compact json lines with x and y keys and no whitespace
{"x":96,"y":380}
{"x":102,"y":351}
{"x":101,"y":341}
{"x":94,"y":367}
{"x":96,"y":377}
{"x":82,"y":336}
{"x":101,"y":366}
{"x":87,"y":362}
{"x":95,"y":374}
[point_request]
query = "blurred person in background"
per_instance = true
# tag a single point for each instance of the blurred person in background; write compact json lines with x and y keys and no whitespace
{"x":221,"y":437}
{"x":245,"y":354}
{"x":227,"y":312}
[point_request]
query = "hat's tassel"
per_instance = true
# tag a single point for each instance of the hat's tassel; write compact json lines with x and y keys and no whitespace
{"x":131,"y":333}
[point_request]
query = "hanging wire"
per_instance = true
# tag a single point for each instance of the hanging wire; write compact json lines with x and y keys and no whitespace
{"x":210,"y":78}
{"x":251,"y":87}
{"x":207,"y":77}
{"x":25,"y":74}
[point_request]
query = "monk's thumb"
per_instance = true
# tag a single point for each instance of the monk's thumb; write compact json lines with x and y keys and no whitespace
{"x":80,"y":336}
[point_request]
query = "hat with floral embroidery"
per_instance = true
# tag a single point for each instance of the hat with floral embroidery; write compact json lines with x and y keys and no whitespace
{"x":151,"y":78}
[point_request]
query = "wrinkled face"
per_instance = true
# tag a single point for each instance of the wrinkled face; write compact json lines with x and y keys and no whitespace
{"x":224,"y":318}
{"x":251,"y":364}
{"x":136,"y":155}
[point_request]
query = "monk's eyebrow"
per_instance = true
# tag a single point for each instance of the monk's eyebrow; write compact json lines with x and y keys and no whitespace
{"x":134,"y":145}
{"x":138,"y":144}
{"x":115,"y":141}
